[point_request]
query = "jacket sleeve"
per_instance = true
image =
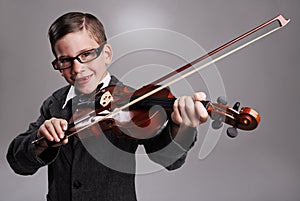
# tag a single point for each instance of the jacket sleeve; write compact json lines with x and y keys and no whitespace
{"x":21,"y":154}
{"x":168,"y":152}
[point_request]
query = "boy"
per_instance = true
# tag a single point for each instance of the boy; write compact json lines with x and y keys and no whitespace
{"x":81,"y":53}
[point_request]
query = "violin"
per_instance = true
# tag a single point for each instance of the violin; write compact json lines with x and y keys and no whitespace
{"x":102,"y":111}
{"x":140,"y":116}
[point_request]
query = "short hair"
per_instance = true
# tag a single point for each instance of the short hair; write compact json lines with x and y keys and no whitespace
{"x":73,"y":22}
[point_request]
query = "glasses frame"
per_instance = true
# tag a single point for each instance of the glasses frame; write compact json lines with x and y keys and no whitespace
{"x":71,"y":59}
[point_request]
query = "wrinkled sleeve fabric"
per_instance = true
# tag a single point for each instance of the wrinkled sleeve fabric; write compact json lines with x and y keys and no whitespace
{"x":164,"y":150}
{"x":21,"y":154}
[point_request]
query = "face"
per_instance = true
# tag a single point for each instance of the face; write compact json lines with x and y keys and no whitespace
{"x":85,"y":77}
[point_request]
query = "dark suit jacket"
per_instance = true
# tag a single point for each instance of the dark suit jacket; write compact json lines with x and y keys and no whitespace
{"x":75,"y":174}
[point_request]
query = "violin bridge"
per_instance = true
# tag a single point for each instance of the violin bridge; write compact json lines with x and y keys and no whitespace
{"x":106,"y":98}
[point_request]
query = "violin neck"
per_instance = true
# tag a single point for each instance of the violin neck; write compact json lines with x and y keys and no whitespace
{"x":166,"y":103}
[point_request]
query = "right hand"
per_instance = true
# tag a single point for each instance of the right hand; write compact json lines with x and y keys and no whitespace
{"x":54,"y":130}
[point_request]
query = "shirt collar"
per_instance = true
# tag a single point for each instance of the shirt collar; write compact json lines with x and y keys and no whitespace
{"x":71,"y":93}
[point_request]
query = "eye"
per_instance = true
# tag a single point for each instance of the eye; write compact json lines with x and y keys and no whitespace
{"x":86,"y":54}
{"x":64,"y":60}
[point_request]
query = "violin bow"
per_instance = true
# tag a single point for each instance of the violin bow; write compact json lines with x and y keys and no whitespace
{"x":282,"y":22}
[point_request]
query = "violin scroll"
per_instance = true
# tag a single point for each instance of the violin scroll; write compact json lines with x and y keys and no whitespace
{"x":245,"y":119}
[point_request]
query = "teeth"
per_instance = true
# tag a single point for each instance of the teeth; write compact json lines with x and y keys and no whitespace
{"x":84,"y":78}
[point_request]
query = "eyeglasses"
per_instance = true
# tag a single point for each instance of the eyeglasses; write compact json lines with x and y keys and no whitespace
{"x":84,"y":57}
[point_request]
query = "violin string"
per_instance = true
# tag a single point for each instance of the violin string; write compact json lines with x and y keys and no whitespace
{"x":176,"y":80}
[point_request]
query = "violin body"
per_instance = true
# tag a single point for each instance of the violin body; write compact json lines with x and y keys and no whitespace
{"x":142,"y":120}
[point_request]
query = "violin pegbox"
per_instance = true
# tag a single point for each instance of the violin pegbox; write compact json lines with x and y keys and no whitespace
{"x":232,"y":131}
{"x":245,"y":119}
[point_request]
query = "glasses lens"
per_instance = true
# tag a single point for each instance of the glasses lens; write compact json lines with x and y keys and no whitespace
{"x":88,"y":56}
{"x":62,"y":63}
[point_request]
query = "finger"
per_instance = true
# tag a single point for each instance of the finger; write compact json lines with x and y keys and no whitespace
{"x":64,"y":126}
{"x":186,"y":109}
{"x":65,"y":141}
{"x":201,"y":112}
{"x":50,"y":126}
{"x":176,"y":117}
{"x":200,"y":109}
{"x":60,"y":126}
{"x":43,"y":132}
{"x":57,"y":124}
{"x":199,"y":96}
{"x":190,"y":115}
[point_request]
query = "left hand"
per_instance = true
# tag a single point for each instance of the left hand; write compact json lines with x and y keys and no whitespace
{"x":189,"y":111}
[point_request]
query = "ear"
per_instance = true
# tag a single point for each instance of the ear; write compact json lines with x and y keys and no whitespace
{"x":107,"y":53}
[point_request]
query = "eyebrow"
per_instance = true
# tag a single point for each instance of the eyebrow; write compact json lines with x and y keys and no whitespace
{"x":80,"y":52}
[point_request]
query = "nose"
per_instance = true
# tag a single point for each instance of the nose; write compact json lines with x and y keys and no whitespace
{"x":77,"y":67}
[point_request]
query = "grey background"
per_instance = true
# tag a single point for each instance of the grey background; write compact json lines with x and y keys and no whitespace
{"x":261,"y":166}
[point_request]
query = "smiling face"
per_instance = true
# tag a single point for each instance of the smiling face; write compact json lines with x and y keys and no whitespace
{"x":85,"y":77}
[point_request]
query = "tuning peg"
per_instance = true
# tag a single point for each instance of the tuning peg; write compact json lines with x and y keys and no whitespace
{"x":222,"y":100}
{"x":232,"y":132}
{"x":236,"y":106}
{"x":216,"y":124}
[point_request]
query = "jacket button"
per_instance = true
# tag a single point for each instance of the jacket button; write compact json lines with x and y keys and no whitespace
{"x":76,"y":184}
